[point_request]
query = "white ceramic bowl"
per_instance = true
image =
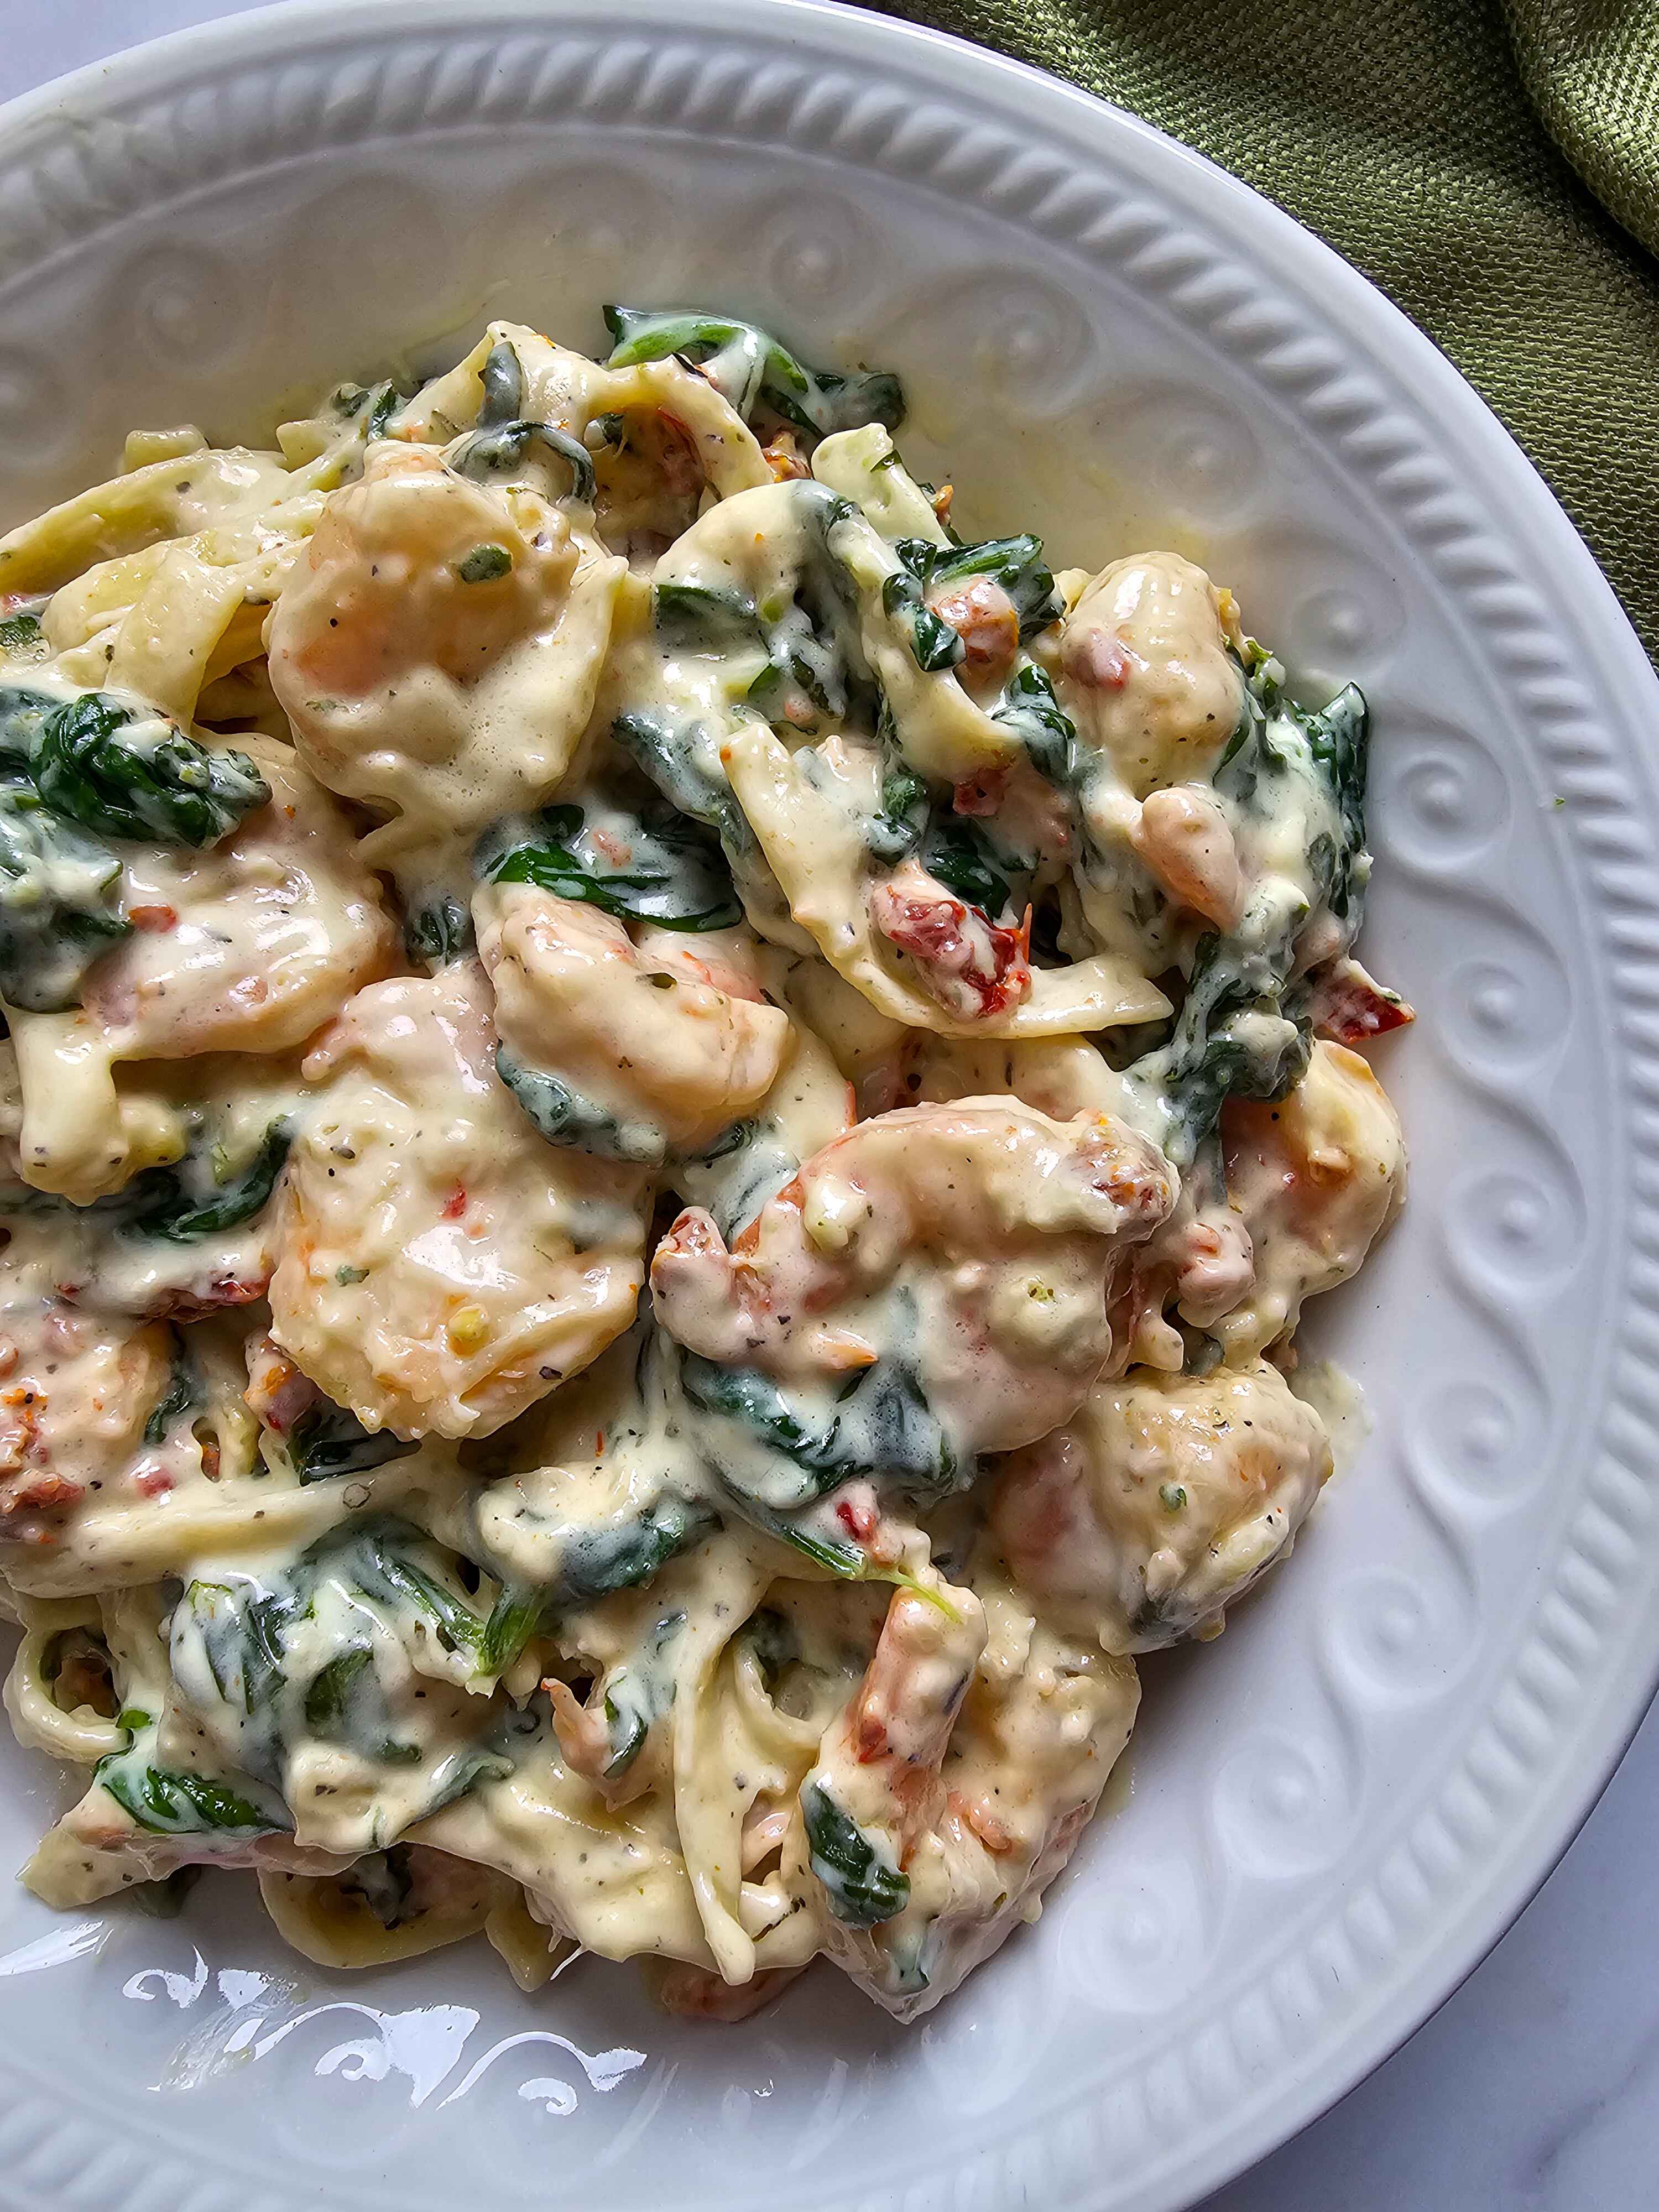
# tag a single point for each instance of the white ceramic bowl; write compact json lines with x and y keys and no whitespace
{"x":1338,"y":1809}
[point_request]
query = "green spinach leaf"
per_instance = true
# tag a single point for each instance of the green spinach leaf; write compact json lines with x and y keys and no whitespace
{"x":1242,"y":1029}
{"x":629,"y":1729}
{"x":127,"y":775}
{"x":1232,"y":1038}
{"x":594,"y":1563}
{"x":502,"y":379}
{"x":702,"y":618}
{"x":326,"y":1440}
{"x":563,"y":1116}
{"x":184,"y":1391}
{"x":385,"y":1881}
{"x":60,"y":904}
{"x":172,"y":1203}
{"x":676,"y":755}
{"x":933,"y":644}
{"x":753,"y":371}
{"x":863,"y":1886}
{"x":438,"y":932}
{"x":1030,"y":707}
{"x":882,"y":1426}
{"x":179,"y":1802}
{"x":503,"y":449}
{"x":164,"y":1897}
{"x":966,"y":861}
{"x":1015,"y":563}
{"x":675,"y":874}
{"x":895,"y":833}
{"x":329,"y":1694}
{"x":1339,"y":739}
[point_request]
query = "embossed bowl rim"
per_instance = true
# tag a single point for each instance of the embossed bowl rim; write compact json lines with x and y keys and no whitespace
{"x":1375,"y":332}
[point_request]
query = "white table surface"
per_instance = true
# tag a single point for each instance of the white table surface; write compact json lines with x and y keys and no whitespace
{"x":1536,"y":2088}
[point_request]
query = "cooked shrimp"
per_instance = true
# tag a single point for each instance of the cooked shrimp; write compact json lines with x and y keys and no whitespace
{"x":729,"y":959}
{"x":984,"y":1751}
{"x":440,"y":1266}
{"x":646,"y":1044}
{"x":1041,"y":1727}
{"x":438,"y":650}
{"x":1161,"y":1501}
{"x":875,"y":1791}
{"x":1186,"y":842}
{"x":254,"y":944}
{"x":76,"y":1391}
{"x":1143,"y":671}
{"x":275,"y":928}
{"x":973,"y":968}
{"x":881,"y":1763}
{"x":987,"y":621}
{"x":1315,"y":1178}
{"x":974,"y":1240}
{"x":1199,"y":1261}
{"x":387,"y":591}
{"x":584,"y":1740}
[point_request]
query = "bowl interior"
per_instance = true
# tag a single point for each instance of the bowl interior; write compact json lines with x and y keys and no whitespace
{"x":1283,"y":1863}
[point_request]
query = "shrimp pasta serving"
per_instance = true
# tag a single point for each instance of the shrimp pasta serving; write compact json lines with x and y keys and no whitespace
{"x":665,"y":1129}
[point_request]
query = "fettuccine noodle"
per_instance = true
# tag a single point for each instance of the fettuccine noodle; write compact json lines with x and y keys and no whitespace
{"x":663,"y":1136}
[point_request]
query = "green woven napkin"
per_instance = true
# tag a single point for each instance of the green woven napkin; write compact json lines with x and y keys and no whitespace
{"x":1495,"y":169}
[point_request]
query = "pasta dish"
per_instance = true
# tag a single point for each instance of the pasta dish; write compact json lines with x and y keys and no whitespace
{"x":665,"y":1129}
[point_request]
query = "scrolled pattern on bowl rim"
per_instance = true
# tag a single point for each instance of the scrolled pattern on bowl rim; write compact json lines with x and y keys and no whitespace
{"x":1563,"y":667}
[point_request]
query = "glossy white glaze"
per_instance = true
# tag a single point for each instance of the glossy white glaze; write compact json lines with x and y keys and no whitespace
{"x":1445,"y":836}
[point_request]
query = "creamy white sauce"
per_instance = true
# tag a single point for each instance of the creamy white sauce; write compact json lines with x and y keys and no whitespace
{"x":399,"y":1496}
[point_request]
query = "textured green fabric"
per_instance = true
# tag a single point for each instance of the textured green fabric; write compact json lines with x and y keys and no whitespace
{"x":1494,"y":168}
{"x":1591,"y":68}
